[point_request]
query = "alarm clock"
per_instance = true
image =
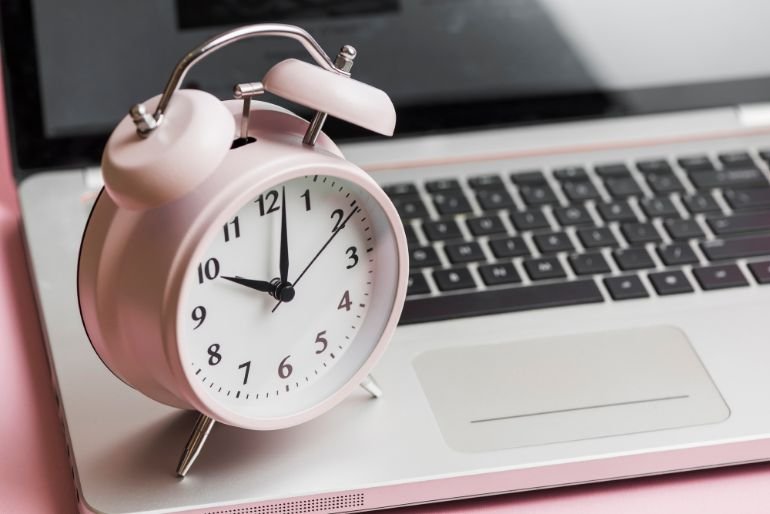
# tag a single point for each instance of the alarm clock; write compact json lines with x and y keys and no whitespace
{"x":235,"y":263}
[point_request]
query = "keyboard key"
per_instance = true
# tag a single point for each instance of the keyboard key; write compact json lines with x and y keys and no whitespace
{"x":492,"y":182}
{"x":660,"y":207}
{"x":719,"y":277}
{"x":622,"y":187}
{"x":573,"y":215}
{"x":737,"y":223}
{"x":417,"y":284}
{"x":696,"y":163}
{"x":640,"y":233}
{"x":393,"y":190}
{"x":677,"y":254}
{"x":495,"y":301}
{"x":580,"y":191}
{"x":670,"y":282}
{"x":610,"y":170}
{"x":442,"y":230}
{"x":589,"y":263}
{"x":571,"y":174}
{"x":729,"y":178}
{"x":485,"y":225}
{"x":596,"y":237}
{"x":625,"y":288}
{"x":701,"y":203}
{"x":496,"y":274}
{"x":529,"y":220}
{"x":663,"y":184}
{"x":509,"y":247}
{"x":761,"y":271}
{"x":683,"y":228}
{"x":537,"y":194}
{"x":730,"y":249}
{"x":655,"y":166}
{"x":423,"y":257}
{"x":617,"y":211}
{"x":737,"y":160}
{"x":411,"y":235}
{"x":490,"y":200}
{"x":464,"y":252}
{"x":451,"y":202}
{"x":453,"y":279}
{"x":743,"y":199}
{"x":522,"y":178}
{"x":553,"y":242}
{"x":410,"y":206}
{"x":765,"y":155}
{"x":633,"y":259}
{"x":544,"y":268}
{"x":437,"y":186}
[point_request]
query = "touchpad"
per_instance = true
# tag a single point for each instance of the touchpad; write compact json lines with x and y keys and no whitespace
{"x":527,"y":393}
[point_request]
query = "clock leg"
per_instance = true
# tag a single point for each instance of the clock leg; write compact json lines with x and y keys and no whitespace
{"x":371,"y":387}
{"x":200,"y":433}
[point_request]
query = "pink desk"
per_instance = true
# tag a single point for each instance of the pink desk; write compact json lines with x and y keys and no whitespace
{"x":35,"y":477}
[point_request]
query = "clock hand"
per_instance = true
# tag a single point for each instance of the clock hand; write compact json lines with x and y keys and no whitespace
{"x":284,"y":242}
{"x":259,"y":285}
{"x":283,"y":292}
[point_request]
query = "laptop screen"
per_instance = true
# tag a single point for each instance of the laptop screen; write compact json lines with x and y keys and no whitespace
{"x":74,"y":68}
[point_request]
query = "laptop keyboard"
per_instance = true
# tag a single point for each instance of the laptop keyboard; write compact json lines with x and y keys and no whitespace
{"x":531,"y":239}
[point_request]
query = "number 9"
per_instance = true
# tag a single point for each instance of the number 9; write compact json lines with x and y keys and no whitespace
{"x":199,"y":315}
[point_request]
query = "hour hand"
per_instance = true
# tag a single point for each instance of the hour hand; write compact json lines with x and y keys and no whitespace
{"x":259,"y":285}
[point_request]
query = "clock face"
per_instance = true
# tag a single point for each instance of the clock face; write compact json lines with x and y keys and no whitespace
{"x":279,"y":296}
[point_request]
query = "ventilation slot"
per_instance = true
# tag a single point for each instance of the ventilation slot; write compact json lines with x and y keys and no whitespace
{"x":319,"y":504}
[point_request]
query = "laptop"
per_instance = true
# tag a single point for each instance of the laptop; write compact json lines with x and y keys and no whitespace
{"x":585,"y":189}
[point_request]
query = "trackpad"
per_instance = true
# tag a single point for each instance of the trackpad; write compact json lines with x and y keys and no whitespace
{"x":569,"y":388}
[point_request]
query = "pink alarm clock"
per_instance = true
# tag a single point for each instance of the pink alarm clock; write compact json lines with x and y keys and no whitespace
{"x":235,"y":263}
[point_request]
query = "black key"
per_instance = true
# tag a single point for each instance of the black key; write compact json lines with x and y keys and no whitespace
{"x":411,"y":235}
{"x":485,"y":225}
{"x":661,"y":207}
{"x":509,"y":247}
{"x":437,"y":186}
{"x":765,"y":155}
{"x":761,"y":271}
{"x":701,"y":202}
{"x":571,"y":174}
{"x":625,"y":288}
{"x":683,"y":228}
{"x":537,"y":194}
{"x":640,"y":233}
{"x":451,"y":202}
{"x":410,"y":206}
{"x":596,"y":237}
{"x":452,"y":279}
{"x":573,"y":215}
{"x":737,"y":160}
{"x":654,"y":166}
{"x":719,"y":277}
{"x":422,"y":257}
{"x":622,"y":187}
{"x":670,"y":282}
{"x":464,"y":252}
{"x":400,"y":189}
{"x":417,"y":284}
{"x":495,"y":301}
{"x":744,"y":199}
{"x":529,"y":220}
{"x":496,"y":274}
{"x":589,"y":263}
{"x":553,"y":242}
{"x":493,"y":182}
{"x":490,"y":200}
{"x":442,"y":230}
{"x":663,"y":184}
{"x":522,"y":178}
{"x":617,"y":211}
{"x":633,"y":259}
{"x":696,"y":163}
{"x":730,"y":249}
{"x":580,"y":191}
{"x":730,"y":178}
{"x":612,"y":170}
{"x":742,"y":222}
{"x":544,"y":268}
{"x":676,"y":254}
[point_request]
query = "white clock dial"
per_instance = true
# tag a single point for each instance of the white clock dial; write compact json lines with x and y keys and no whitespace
{"x":252,"y":352}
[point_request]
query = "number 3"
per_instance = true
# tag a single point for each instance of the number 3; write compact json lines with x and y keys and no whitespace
{"x":352,"y":255}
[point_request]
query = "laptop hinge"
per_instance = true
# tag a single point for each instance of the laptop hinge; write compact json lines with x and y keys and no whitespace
{"x":754,"y":115}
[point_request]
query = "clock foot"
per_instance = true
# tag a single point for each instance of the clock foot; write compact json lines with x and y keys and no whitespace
{"x":200,"y":433}
{"x":371,"y":387}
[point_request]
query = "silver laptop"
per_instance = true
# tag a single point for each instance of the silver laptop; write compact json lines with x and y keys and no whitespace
{"x":585,"y":188}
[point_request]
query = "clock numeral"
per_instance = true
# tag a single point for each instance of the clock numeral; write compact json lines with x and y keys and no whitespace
{"x":247,"y":366}
{"x":284,"y":368}
{"x":271,"y":197}
{"x":353,"y":256}
{"x":210,"y":270}
{"x":338,"y":222}
{"x":236,"y":229}
{"x":306,"y":196}
{"x":199,"y":315}
{"x":321,"y":340}
{"x":345,"y":302}
{"x":214,"y":356}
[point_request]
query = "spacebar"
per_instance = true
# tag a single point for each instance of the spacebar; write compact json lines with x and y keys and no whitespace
{"x":497,"y":301}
